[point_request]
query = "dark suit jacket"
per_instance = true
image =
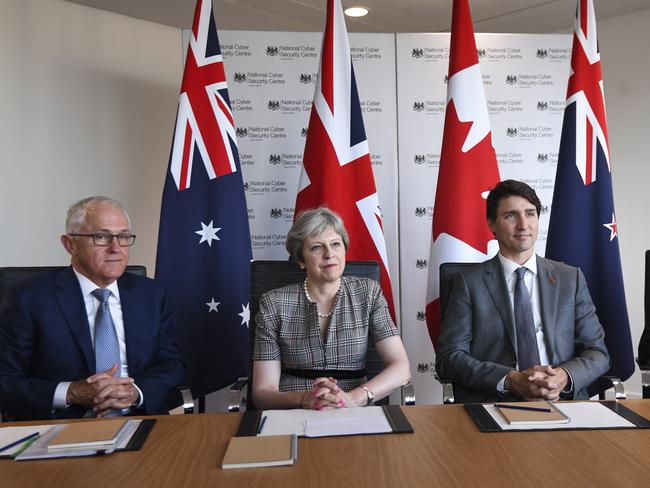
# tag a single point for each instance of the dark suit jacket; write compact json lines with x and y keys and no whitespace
{"x":45,"y":339}
{"x":478,"y":346}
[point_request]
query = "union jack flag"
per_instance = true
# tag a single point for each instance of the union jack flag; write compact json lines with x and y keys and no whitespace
{"x":582,"y":228}
{"x":586,"y":91}
{"x":204,"y":247}
{"x":203,"y":107}
{"x":337,"y":170}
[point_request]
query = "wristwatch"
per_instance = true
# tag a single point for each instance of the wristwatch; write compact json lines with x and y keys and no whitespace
{"x":371,"y":395}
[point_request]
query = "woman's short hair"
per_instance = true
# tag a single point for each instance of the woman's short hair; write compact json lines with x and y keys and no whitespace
{"x":310,"y":223}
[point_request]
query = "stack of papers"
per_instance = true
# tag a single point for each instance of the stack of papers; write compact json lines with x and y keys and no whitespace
{"x":83,"y":439}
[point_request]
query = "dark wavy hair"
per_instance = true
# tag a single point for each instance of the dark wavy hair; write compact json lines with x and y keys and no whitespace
{"x":510,"y":188}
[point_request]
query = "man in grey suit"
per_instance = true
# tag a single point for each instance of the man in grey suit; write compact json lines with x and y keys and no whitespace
{"x":510,"y":333}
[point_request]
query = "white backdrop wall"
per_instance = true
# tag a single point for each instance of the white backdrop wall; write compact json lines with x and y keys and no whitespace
{"x":88,"y":101}
{"x":271,"y":80}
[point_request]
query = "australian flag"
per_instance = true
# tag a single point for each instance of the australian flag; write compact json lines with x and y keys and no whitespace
{"x":582,"y":229}
{"x":204,"y":246}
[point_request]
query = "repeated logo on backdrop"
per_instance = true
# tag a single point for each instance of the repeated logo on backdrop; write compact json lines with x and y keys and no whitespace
{"x":525,"y":82}
{"x":272,"y":76}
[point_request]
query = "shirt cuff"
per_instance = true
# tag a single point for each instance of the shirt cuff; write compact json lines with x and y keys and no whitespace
{"x":140,"y":397}
{"x":501,"y":385}
{"x":568,"y":389}
{"x":60,"y":395}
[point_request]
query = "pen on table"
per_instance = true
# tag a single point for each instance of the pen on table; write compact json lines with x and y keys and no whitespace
{"x":18,"y":442}
{"x":523,"y":407}
{"x":259,"y":431}
{"x":26,"y":445}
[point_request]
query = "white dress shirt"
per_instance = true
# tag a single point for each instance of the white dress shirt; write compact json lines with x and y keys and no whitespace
{"x":509,"y":269}
{"x":530,"y":280}
{"x":92,"y":304}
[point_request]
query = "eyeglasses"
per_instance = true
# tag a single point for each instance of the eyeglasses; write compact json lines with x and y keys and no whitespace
{"x":106,"y":239}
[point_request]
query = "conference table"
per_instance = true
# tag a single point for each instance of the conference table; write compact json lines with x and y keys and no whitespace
{"x":447,"y":449}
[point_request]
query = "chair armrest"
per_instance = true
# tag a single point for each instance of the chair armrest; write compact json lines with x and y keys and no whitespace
{"x":238,"y":392}
{"x":182,"y":401}
{"x":408,"y":394}
{"x":645,"y":380}
{"x":447,"y":389}
{"x":189,"y":405}
{"x":612,"y":382}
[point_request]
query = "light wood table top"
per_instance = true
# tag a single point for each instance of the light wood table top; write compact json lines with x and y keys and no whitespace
{"x":446,"y":450}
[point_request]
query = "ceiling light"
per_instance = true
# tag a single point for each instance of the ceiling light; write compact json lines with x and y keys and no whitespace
{"x":356,"y":11}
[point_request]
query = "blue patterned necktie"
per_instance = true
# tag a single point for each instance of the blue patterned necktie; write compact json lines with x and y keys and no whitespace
{"x":527,"y":351}
{"x":107,"y":346}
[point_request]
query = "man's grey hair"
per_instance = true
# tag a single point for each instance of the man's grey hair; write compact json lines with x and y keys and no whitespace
{"x":310,"y":223}
{"x":76,"y":216}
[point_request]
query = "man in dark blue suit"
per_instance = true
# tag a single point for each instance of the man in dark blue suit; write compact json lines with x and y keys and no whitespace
{"x":91,"y":339}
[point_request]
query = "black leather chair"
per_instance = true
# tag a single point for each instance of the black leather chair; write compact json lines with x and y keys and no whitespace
{"x":180,"y":400}
{"x":644,"y":344}
{"x":448,"y":272}
{"x":268,"y":275}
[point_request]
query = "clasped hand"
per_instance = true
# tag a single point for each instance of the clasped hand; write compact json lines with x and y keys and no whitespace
{"x":103,"y":392}
{"x":538,"y":382}
{"x":326,"y":394}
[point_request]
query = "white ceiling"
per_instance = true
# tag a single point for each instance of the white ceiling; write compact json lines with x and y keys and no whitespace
{"x":520,"y":16}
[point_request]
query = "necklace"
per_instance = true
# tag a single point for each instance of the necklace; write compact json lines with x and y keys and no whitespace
{"x":336,"y":297}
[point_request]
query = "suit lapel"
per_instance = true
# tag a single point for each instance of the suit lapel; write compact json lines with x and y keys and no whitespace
{"x":68,"y":294}
{"x":498,"y":290}
{"x":548,"y":297}
{"x":132,"y":315}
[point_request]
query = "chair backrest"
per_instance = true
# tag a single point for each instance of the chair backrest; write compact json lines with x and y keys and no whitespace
{"x":9,"y":275}
{"x":644,"y":343}
{"x":448,"y":272}
{"x":268,"y":275}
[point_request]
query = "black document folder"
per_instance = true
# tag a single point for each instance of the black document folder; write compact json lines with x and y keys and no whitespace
{"x":250,"y":422}
{"x":486,"y":423}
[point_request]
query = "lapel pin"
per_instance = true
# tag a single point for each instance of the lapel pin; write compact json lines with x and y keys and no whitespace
{"x":552,"y":280}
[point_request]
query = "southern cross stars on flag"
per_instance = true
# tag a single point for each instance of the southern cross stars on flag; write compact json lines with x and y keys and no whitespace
{"x":204,"y":247}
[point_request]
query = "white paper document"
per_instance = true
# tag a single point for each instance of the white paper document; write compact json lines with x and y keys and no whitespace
{"x":10,"y":435}
{"x":314,"y":423}
{"x":582,"y":415}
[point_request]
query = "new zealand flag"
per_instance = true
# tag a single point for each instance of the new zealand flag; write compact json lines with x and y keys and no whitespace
{"x":582,"y":229}
{"x":204,"y":246}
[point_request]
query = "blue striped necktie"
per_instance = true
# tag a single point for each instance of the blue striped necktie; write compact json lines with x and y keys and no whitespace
{"x":107,"y":346}
{"x":527,"y":351}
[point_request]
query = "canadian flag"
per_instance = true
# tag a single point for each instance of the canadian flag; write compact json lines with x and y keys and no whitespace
{"x":468,"y":167}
